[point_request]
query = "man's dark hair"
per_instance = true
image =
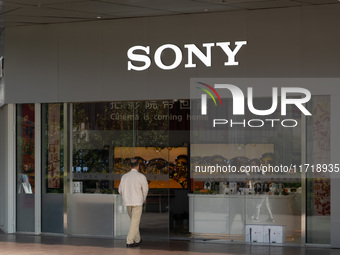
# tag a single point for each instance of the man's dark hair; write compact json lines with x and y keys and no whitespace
{"x":134,"y":162}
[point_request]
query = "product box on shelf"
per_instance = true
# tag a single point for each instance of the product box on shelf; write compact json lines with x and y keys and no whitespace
{"x":254,"y":233}
{"x":274,"y":234}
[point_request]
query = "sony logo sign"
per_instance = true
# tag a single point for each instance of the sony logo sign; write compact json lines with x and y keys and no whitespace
{"x":141,"y":54}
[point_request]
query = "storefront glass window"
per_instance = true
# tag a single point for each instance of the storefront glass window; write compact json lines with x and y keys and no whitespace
{"x":244,"y":184}
{"x":233,"y":206}
{"x":52,"y":200}
{"x":25,"y":165}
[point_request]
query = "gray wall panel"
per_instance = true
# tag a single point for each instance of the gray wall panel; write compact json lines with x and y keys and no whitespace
{"x":320,"y":41}
{"x":31,"y":55}
{"x":80,"y":51}
{"x":117,"y":82}
{"x":274,"y":43}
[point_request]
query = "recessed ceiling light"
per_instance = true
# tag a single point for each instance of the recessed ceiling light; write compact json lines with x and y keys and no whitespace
{"x":99,"y":17}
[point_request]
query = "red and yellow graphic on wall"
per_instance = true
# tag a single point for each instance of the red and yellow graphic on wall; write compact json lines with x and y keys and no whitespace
{"x":28,"y":142}
{"x":321,"y":149}
{"x":53,"y":146}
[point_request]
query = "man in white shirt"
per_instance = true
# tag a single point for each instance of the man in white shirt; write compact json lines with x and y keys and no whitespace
{"x":134,"y":189}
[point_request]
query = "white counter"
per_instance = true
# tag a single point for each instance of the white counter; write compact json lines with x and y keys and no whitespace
{"x":97,"y":215}
{"x":228,"y":214}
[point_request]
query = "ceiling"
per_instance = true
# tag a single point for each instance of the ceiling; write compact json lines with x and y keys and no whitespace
{"x":30,"y":12}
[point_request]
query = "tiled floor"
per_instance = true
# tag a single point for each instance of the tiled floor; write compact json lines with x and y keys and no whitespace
{"x":36,"y":245}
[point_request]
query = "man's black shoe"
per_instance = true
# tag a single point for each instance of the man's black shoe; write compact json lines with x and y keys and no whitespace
{"x":137,"y":244}
{"x":130,"y":245}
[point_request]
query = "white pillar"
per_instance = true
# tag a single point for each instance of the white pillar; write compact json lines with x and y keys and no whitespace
{"x":335,"y":177}
{"x":10,"y":170}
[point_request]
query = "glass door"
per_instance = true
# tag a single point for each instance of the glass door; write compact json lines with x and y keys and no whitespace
{"x":162,"y":139}
{"x":152,"y":148}
{"x":25,"y":165}
{"x":102,"y":144}
{"x":105,"y":136}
